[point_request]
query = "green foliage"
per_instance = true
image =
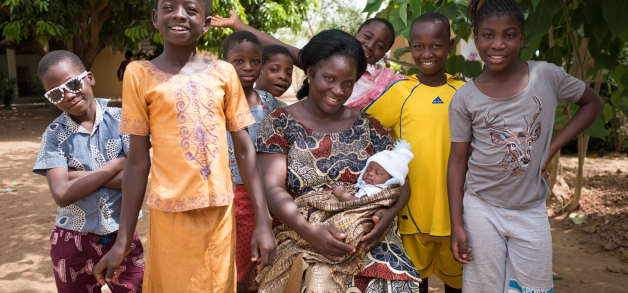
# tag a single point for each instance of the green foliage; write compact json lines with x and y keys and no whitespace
{"x":7,"y":88}
{"x":48,"y":22}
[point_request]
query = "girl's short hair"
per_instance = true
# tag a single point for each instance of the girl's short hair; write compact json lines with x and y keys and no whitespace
{"x":238,"y":37}
{"x":328,"y":43}
{"x":272,"y":50}
{"x":477,"y":11}
{"x":388,"y":24}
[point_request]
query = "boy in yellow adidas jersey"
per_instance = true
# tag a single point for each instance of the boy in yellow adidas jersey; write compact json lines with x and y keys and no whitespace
{"x":416,"y":109}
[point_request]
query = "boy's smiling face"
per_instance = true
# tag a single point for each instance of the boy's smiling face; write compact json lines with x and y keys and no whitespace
{"x":74,"y":104}
{"x":276,"y":75}
{"x":429,"y":45}
{"x":181,"y":22}
{"x":246,"y":58}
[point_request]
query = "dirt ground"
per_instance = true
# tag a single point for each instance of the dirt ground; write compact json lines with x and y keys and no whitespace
{"x":587,"y":256}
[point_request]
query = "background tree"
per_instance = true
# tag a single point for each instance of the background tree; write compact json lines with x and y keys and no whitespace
{"x":86,"y":27}
{"x":586,"y":37}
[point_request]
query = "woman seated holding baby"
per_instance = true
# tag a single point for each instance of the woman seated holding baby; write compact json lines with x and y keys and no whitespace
{"x":318,"y":144}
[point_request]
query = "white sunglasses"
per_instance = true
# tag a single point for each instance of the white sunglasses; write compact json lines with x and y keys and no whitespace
{"x":73,"y":85}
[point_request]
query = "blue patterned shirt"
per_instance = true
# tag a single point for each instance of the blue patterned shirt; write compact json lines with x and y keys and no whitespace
{"x":66,"y":144}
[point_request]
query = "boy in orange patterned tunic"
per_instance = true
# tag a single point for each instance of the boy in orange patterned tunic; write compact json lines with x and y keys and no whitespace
{"x":186,"y":104}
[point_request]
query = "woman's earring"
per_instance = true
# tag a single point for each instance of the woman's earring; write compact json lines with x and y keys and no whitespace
{"x":307,"y":80}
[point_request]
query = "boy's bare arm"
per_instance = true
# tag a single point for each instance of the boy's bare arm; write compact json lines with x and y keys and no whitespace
{"x":66,"y":190}
{"x":234,"y":23}
{"x":133,"y":189}
{"x":456,"y":172}
{"x":591,"y":106}
{"x":263,"y":240}
{"x":114,"y":183}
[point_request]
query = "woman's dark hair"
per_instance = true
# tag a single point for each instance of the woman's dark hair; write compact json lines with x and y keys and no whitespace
{"x":272,"y":50}
{"x":326,"y":44}
{"x":477,"y":11}
{"x":385,"y":22}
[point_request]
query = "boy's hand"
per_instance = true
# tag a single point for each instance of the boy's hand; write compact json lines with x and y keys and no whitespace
{"x":111,"y":262}
{"x":219,"y":21}
{"x":382,"y":219}
{"x":459,"y":245}
{"x":263,"y":245}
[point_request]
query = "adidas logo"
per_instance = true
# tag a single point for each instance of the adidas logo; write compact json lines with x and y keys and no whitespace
{"x":437,"y":101}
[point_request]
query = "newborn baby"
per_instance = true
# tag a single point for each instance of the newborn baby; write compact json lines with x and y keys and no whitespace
{"x":382,"y":170}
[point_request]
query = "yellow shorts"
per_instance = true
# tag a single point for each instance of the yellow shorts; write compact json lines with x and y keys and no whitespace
{"x":431,"y":255}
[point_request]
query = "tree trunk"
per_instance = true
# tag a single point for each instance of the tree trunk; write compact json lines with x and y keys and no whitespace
{"x":583,"y":142}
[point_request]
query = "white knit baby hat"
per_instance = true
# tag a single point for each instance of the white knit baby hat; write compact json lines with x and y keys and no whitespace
{"x":395,"y":162}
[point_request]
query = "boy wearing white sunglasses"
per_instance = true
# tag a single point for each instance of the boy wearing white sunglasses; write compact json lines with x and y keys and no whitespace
{"x":82,"y":155}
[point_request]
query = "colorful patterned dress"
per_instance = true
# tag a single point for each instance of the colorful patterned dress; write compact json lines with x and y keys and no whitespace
{"x":321,"y":161}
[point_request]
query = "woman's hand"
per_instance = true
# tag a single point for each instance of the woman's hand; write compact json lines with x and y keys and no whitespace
{"x":382,"y":219}
{"x":459,"y":245}
{"x":263,"y":245}
{"x":219,"y":21}
{"x":324,"y":239}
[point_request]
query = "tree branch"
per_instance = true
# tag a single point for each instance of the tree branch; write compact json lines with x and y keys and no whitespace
{"x":574,"y":39}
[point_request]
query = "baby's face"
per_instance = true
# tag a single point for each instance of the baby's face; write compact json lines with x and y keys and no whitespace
{"x":375,"y":174}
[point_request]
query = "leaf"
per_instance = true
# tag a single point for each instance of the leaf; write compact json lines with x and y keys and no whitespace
{"x":554,"y":55}
{"x":462,"y":6}
{"x":397,"y":23}
{"x":534,"y":4}
{"x":14,"y":182}
{"x":461,"y":28}
{"x":617,"y":74}
{"x":607,"y":53}
{"x":615,"y":13}
{"x":400,"y":52}
{"x":373,"y":6}
{"x":471,"y":69}
{"x":415,"y":5}
{"x":403,"y":13}
{"x":596,"y":129}
{"x":539,"y":22}
{"x":559,"y":117}
{"x":9,"y":190}
{"x":449,"y":10}
{"x":595,"y":20}
{"x":608,"y":113}
{"x":555,"y":276}
{"x":454,"y":64}
{"x":529,"y":49}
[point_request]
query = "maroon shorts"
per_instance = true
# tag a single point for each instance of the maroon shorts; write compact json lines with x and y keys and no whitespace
{"x":245,"y":223}
{"x":74,"y":255}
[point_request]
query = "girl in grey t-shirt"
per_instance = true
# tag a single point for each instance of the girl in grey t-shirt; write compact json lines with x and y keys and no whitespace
{"x":505,"y":116}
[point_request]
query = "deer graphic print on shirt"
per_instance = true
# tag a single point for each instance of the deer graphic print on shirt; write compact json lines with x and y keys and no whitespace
{"x":518,"y":143}
{"x":510,"y":137}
